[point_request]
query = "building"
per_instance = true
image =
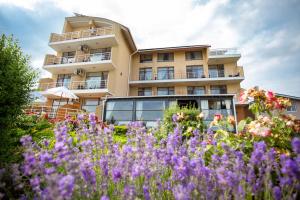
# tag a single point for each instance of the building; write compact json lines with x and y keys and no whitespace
{"x":98,"y":60}
{"x":294,"y":109}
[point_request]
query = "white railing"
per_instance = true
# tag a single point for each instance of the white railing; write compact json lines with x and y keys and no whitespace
{"x":76,"y":85}
{"x":55,"y":37}
{"x":222,"y":52}
{"x":96,"y":57}
{"x":52,"y":112}
{"x":188,"y":75}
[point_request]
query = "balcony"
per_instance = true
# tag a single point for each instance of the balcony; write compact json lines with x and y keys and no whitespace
{"x":90,"y":88}
{"x":222,"y":56}
{"x":183,"y":78}
{"x":88,"y":62}
{"x":94,"y":38}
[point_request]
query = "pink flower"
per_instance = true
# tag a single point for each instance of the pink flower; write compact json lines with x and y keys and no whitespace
{"x":270,"y":96}
{"x":218,"y":117}
{"x":243,"y":97}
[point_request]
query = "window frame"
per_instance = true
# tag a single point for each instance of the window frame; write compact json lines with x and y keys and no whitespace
{"x":192,"y":68}
{"x":193,"y":89}
{"x":142,"y":90}
{"x":192,"y":52}
{"x":170,"y":55}
{"x":169,"y":90}
{"x":144,"y":73}
{"x":146,"y":61}
{"x":169,"y":72}
{"x":220,"y":89}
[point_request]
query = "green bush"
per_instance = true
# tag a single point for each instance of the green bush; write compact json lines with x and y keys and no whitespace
{"x":120,"y":130}
{"x":189,"y":118}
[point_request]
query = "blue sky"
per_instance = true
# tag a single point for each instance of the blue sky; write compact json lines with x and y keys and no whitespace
{"x":266,"y":32}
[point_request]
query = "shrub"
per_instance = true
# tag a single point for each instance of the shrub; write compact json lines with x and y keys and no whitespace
{"x":189,"y":118}
{"x":120,"y":130}
{"x":16,"y":81}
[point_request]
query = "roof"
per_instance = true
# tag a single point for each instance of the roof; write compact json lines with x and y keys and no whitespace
{"x":83,"y":18}
{"x":173,"y":96}
{"x":288,"y":96}
{"x":173,"y":48}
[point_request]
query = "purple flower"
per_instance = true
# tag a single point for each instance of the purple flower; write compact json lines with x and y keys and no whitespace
{"x":66,"y":186}
{"x":146,"y":193}
{"x":296,"y":145}
{"x":104,"y":197}
{"x":35,"y":182}
{"x":87,"y":171}
{"x":174,"y":117}
{"x":181,"y":193}
{"x":277,"y":193}
{"x":26,"y":140}
{"x":116,"y":174}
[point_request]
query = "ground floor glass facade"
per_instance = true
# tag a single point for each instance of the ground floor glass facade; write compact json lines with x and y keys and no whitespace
{"x":151,"y":109}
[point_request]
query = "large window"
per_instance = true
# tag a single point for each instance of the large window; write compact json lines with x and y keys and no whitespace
{"x":218,"y":89}
{"x":119,"y":111}
{"x":96,"y":80}
{"x":165,"y":73}
{"x":216,"y":71}
{"x":145,"y":91}
{"x":216,"y":106}
{"x":195,"y":90}
{"x":147,"y":110}
{"x":165,"y":57}
{"x":63,"y":80}
{"x":68,"y":57}
{"x":165,"y":91}
{"x":146,"y":58}
{"x":145,"y":74}
{"x":193,"y":55}
{"x":293,"y":107}
{"x":194,"y":71}
{"x":90,"y":105}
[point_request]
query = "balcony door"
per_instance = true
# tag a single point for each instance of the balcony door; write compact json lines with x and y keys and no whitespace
{"x":63,"y":80}
{"x":100,"y":54}
{"x":164,"y":73}
{"x":216,"y":71}
{"x":194,"y":71}
{"x":68,"y":57}
{"x":145,"y":74}
{"x":96,"y":80}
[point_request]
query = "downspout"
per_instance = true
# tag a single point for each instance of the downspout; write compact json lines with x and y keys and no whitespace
{"x":235,"y":117}
{"x":129,"y":70}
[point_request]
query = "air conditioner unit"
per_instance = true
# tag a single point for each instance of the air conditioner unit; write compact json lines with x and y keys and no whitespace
{"x":85,"y":48}
{"x":79,"y":72}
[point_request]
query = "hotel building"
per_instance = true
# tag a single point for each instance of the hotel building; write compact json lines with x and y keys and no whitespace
{"x":97,"y":60}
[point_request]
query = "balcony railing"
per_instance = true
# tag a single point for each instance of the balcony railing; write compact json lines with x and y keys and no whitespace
{"x":76,"y":85}
{"x":224,"y":52}
{"x":52,"y":112}
{"x":55,"y":37}
{"x":190,"y":75}
{"x":84,"y":58}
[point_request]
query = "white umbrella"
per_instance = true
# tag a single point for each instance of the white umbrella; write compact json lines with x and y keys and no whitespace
{"x":61,"y":92}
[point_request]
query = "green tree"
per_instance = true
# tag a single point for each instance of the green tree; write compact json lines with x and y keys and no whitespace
{"x":17,"y":79}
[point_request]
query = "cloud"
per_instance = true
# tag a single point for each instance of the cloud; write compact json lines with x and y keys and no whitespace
{"x":267,"y":32}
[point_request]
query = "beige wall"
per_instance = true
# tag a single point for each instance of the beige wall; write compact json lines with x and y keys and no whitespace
{"x":297,"y":112}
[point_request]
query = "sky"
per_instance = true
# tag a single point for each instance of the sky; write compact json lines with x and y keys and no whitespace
{"x":267,"y":32}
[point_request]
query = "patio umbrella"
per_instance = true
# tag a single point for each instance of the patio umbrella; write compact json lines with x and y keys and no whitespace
{"x":61,"y":92}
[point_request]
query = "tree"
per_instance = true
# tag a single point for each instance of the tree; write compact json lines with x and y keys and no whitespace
{"x":17,"y":78}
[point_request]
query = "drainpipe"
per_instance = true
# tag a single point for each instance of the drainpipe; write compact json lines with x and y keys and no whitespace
{"x":235,"y":117}
{"x":129,"y":70}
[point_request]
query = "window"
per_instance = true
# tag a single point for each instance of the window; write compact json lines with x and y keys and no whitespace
{"x":165,"y":91}
{"x":194,"y":71}
{"x":218,"y":89}
{"x":216,"y":71}
{"x":165,"y":57}
{"x":195,"y":90}
{"x":150,"y":110}
{"x":146,"y":58}
{"x":145,"y":74}
{"x":293,"y":107}
{"x":193,"y":55}
{"x":99,"y":54}
{"x":96,"y":80}
{"x":119,"y":111}
{"x":63,"y":80}
{"x":145,"y":92}
{"x":90,"y":105}
{"x":68,"y":57}
{"x":165,"y":73}
{"x":212,"y":107}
